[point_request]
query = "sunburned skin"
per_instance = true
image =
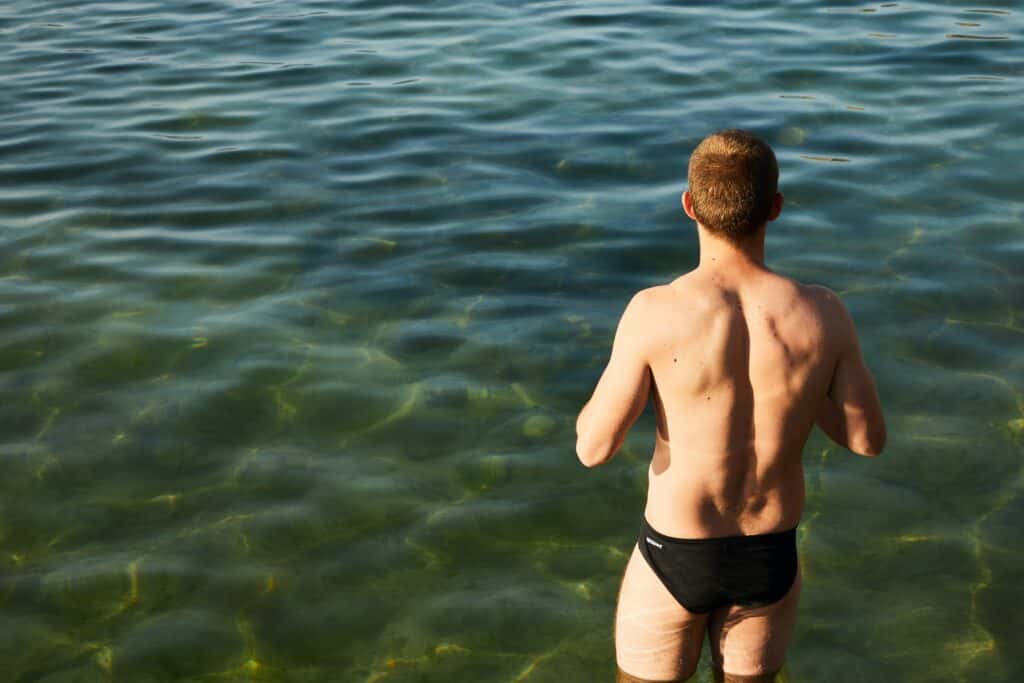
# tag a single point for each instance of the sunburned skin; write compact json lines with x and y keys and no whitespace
{"x":740,"y":363}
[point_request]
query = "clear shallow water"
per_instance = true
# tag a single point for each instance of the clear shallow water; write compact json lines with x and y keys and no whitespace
{"x":299,"y":302}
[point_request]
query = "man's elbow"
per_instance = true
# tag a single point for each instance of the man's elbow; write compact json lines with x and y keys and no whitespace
{"x":592,"y":454}
{"x":871,"y":444}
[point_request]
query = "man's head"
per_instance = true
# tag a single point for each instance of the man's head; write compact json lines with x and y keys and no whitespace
{"x":733,"y":184}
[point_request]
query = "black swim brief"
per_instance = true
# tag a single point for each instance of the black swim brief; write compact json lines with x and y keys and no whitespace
{"x":704,"y":574}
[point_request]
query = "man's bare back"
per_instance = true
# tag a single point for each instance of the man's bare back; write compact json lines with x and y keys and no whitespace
{"x":740,"y":363}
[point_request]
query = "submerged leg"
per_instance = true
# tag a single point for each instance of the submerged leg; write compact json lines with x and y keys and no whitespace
{"x":748,"y":644}
{"x":722,"y":677}
{"x":623,"y":677}
{"x":656,"y":639}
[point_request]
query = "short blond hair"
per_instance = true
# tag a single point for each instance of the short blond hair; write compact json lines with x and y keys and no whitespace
{"x":733,"y":179}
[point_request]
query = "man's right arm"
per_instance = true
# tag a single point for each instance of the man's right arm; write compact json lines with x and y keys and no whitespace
{"x":851,"y":413}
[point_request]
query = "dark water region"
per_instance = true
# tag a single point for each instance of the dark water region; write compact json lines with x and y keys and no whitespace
{"x":299,"y":301}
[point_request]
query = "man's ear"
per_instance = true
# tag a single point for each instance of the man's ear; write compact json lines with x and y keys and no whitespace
{"x":776,"y":207}
{"x":688,"y":205}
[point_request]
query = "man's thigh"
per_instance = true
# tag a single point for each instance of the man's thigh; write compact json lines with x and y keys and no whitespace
{"x":656,"y":639}
{"x":751,"y":642}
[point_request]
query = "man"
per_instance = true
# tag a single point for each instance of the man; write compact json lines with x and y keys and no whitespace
{"x":741,"y":362}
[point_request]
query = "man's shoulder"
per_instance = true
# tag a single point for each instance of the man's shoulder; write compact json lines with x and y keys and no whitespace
{"x":829,"y":308}
{"x":828,"y":302}
{"x":648,"y":306}
{"x":655,"y":297}
{"x":820,"y":298}
{"x":818,"y":291}
{"x":687,"y":293}
{"x":643,"y":302}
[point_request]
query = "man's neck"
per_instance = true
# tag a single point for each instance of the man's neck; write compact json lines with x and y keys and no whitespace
{"x":717,"y":253}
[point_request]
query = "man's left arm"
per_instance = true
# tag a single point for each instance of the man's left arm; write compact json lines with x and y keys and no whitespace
{"x":621,"y":393}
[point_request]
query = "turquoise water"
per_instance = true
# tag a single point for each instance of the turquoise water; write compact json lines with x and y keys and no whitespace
{"x":299,"y":301}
